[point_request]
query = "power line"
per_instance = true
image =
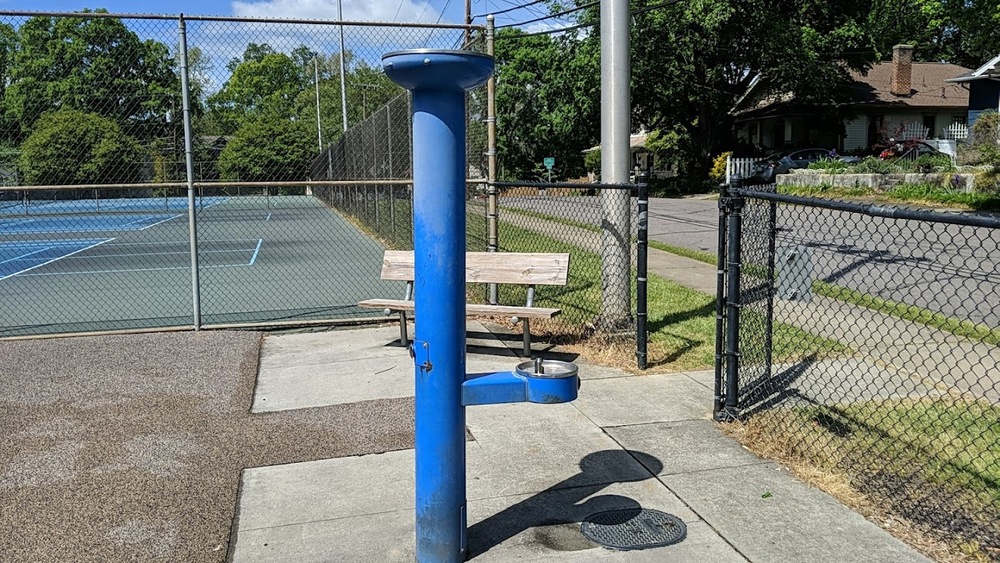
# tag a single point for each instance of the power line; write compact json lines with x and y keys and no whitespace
{"x":441,"y":15}
{"x":588,"y":24}
{"x":509,"y":9}
{"x":556,"y":15}
{"x":397,"y":10}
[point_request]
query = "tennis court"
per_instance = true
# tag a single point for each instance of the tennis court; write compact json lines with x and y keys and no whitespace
{"x":83,"y":265}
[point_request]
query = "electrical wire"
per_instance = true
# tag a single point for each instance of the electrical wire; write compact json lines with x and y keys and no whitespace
{"x":588,"y":24}
{"x":441,"y":15}
{"x":399,"y":7}
{"x":504,"y":11}
{"x":556,"y":15}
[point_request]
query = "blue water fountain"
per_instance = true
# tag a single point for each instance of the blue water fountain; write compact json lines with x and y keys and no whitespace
{"x":438,"y":80}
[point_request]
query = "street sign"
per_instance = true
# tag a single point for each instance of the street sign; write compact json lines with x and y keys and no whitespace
{"x":549,"y":162}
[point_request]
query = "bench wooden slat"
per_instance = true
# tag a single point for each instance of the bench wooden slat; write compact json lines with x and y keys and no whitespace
{"x":523,"y":268}
{"x":470,"y":308}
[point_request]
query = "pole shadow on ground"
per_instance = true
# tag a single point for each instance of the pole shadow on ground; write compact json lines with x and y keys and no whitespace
{"x":556,"y":512}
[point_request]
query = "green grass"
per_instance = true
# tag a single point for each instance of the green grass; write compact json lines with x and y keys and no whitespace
{"x":699,"y":255}
{"x":681,"y":321}
{"x":552,"y":218}
{"x":901,"y":452}
{"x":933,"y":319}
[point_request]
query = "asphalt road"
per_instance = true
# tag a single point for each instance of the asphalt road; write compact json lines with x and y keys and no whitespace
{"x":944,"y":268}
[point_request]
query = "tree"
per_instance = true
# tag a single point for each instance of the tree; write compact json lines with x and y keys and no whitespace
{"x":963,"y":32}
{"x":268,"y":148}
{"x":265,"y":83}
{"x":548,"y":102}
{"x":95,"y":65}
{"x":73,"y":147}
{"x":717,"y":48}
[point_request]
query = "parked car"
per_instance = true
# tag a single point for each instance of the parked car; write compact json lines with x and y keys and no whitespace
{"x":764,"y":171}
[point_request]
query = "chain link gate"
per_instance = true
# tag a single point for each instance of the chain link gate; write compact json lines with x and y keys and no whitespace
{"x":863,"y":340}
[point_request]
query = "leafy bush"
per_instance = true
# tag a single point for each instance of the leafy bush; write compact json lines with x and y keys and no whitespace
{"x":268,"y":149}
{"x":986,"y":137}
{"x":874,"y":165}
{"x":928,"y":163}
{"x":718,"y":171}
{"x":73,"y":147}
{"x":831,"y":165}
{"x":592,"y":161}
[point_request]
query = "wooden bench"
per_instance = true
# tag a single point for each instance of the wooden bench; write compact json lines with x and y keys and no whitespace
{"x":520,"y":268}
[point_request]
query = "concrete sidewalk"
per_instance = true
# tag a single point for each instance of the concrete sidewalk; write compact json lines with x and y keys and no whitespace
{"x":534,"y":471}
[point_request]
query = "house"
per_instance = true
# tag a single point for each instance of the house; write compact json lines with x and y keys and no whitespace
{"x":984,"y":88}
{"x":641,"y":158}
{"x":894,"y":99}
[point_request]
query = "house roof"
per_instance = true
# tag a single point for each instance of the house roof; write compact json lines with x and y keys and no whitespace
{"x":990,"y":70}
{"x":635,"y":141}
{"x":929,"y":88}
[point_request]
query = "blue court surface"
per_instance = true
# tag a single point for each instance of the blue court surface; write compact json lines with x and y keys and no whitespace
{"x":80,"y":224}
{"x":115,"y":205}
{"x":20,"y":257}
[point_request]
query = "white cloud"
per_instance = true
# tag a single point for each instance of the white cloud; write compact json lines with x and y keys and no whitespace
{"x":354,"y":10}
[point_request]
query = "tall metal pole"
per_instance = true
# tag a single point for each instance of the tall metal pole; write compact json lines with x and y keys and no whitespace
{"x":492,"y":230}
{"x":616,"y":303}
{"x":189,"y":169}
{"x":642,"y":242}
{"x":468,"y":22}
{"x":343,"y":70}
{"x":438,"y":81}
{"x":720,"y":302}
{"x":319,"y":119}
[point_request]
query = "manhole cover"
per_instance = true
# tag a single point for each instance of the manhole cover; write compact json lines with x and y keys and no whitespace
{"x":634,"y":528}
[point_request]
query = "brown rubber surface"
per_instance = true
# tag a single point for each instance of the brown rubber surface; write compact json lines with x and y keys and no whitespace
{"x":129,"y":448}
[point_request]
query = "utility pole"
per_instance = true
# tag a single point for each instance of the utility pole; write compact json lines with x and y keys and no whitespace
{"x":616,"y":259}
{"x":468,"y":22}
{"x":319,"y":119}
{"x":343,"y":79}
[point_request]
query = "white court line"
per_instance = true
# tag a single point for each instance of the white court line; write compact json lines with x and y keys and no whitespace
{"x":156,"y":223}
{"x":26,"y":255}
{"x":18,"y":223}
{"x":241,"y":265}
{"x":256,"y":252}
{"x":268,"y":218}
{"x":56,"y":259}
{"x":182,"y":252}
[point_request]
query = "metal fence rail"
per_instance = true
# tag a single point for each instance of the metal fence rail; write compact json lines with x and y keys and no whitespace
{"x":159,"y":170}
{"x":863,"y":340}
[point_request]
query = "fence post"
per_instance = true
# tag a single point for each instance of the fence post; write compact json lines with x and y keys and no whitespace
{"x":720,"y":300}
{"x":492,"y":206}
{"x":641,"y":267}
{"x":734,"y":231}
{"x":189,"y":170}
{"x":772,"y":232}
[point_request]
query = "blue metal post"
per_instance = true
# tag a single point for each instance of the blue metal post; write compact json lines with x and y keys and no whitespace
{"x":438,"y":80}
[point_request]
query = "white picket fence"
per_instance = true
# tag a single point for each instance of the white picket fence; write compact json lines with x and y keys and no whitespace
{"x":741,"y":166}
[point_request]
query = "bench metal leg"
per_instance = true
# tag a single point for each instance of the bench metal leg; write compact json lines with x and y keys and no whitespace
{"x":527,"y":338}
{"x":403,"y":339}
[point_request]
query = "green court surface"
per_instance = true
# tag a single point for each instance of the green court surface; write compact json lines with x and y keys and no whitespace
{"x":127,"y":265}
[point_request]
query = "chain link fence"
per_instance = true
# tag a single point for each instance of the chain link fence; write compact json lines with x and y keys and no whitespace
{"x":160,"y":171}
{"x":867,"y":347}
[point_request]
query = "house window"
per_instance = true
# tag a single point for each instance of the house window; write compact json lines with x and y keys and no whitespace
{"x":753,"y":130}
{"x":959,"y":119}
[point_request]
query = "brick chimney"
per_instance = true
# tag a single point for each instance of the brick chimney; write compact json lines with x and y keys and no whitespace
{"x":902,"y":70}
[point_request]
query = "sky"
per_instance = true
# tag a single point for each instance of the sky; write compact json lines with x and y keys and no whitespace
{"x":360,"y":10}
